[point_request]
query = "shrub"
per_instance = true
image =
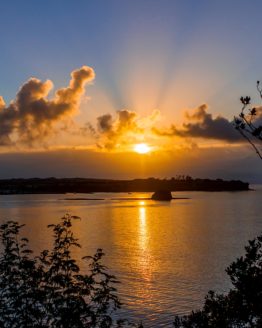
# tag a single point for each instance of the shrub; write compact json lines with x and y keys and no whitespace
{"x":248,"y":122}
{"x":242,"y":306}
{"x":49,"y":290}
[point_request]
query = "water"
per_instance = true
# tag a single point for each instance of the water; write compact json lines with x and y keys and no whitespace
{"x":166,"y":254}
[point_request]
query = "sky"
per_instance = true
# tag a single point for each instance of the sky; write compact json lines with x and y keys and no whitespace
{"x":83,"y":83}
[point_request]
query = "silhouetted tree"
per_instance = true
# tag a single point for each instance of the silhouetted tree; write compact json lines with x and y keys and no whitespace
{"x":242,"y":305}
{"x":49,"y":290}
{"x":249,"y":123}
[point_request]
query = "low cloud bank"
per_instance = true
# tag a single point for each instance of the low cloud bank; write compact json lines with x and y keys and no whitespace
{"x":202,"y":163}
{"x":201,"y":124}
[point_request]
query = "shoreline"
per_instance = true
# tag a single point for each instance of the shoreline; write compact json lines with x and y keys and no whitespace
{"x":89,"y":186}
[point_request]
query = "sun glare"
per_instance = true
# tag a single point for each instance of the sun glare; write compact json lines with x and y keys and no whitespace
{"x":142,"y":148}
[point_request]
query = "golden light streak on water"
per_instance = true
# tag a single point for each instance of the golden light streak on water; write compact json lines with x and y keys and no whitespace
{"x":145,"y":259}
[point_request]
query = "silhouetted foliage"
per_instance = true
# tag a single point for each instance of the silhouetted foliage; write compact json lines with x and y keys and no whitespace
{"x":242,"y":305}
{"x":49,"y":290}
{"x":249,"y":123}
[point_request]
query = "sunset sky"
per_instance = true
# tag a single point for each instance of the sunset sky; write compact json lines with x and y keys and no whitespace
{"x":124,"y":89}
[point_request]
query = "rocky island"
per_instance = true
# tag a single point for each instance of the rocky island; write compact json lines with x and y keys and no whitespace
{"x":162,"y":195}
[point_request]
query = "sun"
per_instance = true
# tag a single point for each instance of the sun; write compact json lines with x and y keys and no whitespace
{"x":142,"y":148}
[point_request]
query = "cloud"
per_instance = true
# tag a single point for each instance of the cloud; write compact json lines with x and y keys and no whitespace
{"x":127,"y":128}
{"x":126,"y":119}
{"x":114,"y":130}
{"x":31,"y":116}
{"x":201,"y":124}
{"x":105,"y":123}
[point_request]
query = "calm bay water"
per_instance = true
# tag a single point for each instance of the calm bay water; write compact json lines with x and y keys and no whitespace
{"x":166,"y":254}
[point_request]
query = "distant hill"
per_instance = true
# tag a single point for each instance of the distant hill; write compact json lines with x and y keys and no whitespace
{"x":82,"y":185}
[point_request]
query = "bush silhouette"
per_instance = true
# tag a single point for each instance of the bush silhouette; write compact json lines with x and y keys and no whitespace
{"x":49,"y":290}
{"x":242,"y":305}
{"x":248,"y":122}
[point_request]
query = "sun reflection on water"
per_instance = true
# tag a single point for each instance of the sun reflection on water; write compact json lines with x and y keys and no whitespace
{"x":144,"y":243}
{"x":142,"y":228}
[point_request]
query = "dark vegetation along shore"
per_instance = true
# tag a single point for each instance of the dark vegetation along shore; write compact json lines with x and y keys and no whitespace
{"x":82,"y":185}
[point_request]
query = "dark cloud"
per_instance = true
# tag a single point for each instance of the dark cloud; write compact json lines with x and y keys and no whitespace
{"x":201,"y":124}
{"x":111,"y":130}
{"x":105,"y":123}
{"x":126,"y":120}
{"x":30,"y":117}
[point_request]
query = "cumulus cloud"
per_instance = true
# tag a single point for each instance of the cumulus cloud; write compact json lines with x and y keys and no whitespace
{"x":114,"y":130}
{"x":31,"y":116}
{"x":105,"y":123}
{"x":125,"y":128}
{"x":201,"y":124}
